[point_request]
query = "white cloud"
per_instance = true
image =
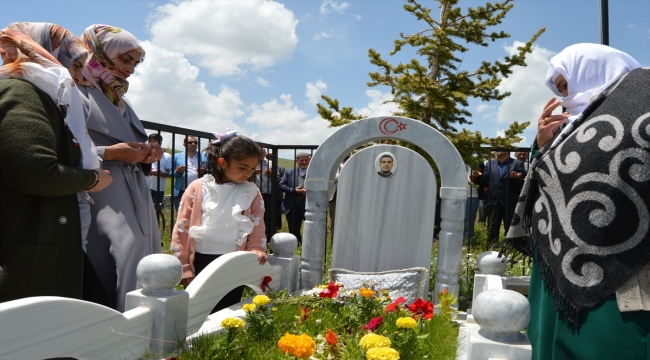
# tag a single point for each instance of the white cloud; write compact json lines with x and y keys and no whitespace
{"x":227,"y":36}
{"x":483,"y":107}
{"x":323,"y":35}
{"x":165,"y":90}
{"x":281,"y":122}
{"x":375,"y":106}
{"x":262,"y":81}
{"x":314,"y":91}
{"x":529,"y":94}
{"x":330,"y":5}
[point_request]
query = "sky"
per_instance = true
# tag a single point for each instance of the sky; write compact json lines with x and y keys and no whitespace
{"x":260,"y":66}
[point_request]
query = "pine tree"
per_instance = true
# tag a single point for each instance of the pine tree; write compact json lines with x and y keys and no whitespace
{"x":436,"y":91}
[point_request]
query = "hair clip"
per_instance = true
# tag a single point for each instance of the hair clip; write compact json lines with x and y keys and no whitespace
{"x":223,"y":136}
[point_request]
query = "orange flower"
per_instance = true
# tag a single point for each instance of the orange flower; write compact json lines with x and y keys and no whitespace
{"x":331,"y":338}
{"x":366,"y":293}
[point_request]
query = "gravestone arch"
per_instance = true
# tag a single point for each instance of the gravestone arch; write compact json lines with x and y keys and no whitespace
{"x":322,"y":171}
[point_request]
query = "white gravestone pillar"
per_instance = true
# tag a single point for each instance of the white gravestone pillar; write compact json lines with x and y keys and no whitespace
{"x":159,"y":274}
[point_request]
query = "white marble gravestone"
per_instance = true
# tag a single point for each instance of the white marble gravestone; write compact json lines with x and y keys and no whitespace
{"x":384,"y":223}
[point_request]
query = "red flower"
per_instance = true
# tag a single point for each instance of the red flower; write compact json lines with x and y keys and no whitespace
{"x":373,"y":323}
{"x":421,"y":307}
{"x":303,"y":314}
{"x":331,"y":338}
{"x":265,"y":283}
{"x":395,"y":304}
{"x":331,"y":291}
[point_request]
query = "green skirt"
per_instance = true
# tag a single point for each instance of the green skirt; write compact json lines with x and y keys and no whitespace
{"x":604,"y":333}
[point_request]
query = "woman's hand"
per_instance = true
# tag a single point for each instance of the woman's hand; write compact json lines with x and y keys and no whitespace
{"x":155,"y":153}
{"x":261,"y":256}
{"x":128,"y":152}
{"x":548,"y":124}
{"x":104,"y":180}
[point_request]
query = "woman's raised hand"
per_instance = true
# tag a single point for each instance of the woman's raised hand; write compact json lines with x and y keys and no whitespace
{"x":128,"y":152}
{"x":548,"y":124}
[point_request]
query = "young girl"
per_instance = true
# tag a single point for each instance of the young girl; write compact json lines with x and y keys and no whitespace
{"x":221,"y":212}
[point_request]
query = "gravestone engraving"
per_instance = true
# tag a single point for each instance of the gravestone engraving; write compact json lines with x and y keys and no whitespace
{"x":386,"y":217}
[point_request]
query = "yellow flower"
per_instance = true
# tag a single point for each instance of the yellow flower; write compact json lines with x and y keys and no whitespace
{"x":300,"y":346}
{"x":406,"y":323}
{"x":382,"y":353}
{"x":261,"y":300}
{"x":366,"y":293}
{"x":274,"y":309}
{"x":372,"y":340}
{"x":233,"y":323}
{"x":249,"y":307}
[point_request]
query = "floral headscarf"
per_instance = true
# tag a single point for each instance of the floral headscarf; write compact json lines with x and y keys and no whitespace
{"x":35,"y":52}
{"x":59,"y":42}
{"x":107,"y":43}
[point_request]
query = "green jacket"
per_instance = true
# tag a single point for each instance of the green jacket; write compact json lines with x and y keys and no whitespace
{"x":40,"y":230}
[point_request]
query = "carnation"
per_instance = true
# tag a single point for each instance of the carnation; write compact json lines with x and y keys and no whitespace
{"x":249,"y":307}
{"x":382,"y":353}
{"x":261,"y":300}
{"x":406,"y":323}
{"x":373,"y":340}
{"x":233,"y":323}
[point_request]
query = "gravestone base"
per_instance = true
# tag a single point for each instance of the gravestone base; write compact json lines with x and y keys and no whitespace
{"x":480,"y":347}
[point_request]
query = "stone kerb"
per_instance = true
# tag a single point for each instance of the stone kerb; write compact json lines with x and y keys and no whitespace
{"x":54,"y":327}
{"x":322,"y":170}
{"x":222,"y":275}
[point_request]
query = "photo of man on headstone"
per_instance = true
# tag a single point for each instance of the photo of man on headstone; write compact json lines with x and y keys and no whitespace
{"x":385,"y":164}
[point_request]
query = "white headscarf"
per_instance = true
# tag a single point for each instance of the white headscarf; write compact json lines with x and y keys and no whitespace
{"x":588,"y":69}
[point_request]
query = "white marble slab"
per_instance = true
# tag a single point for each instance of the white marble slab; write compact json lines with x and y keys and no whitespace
{"x":51,"y":327}
{"x":384,"y":223}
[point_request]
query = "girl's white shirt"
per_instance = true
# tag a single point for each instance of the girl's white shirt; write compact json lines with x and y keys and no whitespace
{"x":223,"y":227}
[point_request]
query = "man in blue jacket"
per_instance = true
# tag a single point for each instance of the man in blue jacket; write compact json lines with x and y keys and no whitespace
{"x":293,"y":185}
{"x":504,"y":177}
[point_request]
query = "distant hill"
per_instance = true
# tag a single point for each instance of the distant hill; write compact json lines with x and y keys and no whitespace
{"x":286,"y":163}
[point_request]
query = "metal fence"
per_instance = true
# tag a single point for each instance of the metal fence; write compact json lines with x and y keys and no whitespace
{"x":266,"y":182}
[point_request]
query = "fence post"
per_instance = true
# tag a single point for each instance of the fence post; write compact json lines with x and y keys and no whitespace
{"x":159,"y":274}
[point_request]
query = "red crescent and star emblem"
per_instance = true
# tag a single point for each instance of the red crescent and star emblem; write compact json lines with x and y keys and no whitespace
{"x":389,"y":126}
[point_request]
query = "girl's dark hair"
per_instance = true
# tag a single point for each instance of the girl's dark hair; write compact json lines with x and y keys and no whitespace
{"x":238,"y":147}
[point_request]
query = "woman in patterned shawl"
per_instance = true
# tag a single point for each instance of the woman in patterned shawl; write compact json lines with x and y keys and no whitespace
{"x":46,"y":159}
{"x":584,"y":213}
{"x":124,"y":227}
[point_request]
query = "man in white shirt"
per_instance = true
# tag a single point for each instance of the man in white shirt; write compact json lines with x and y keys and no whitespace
{"x":196,"y":165}
{"x":164,"y":164}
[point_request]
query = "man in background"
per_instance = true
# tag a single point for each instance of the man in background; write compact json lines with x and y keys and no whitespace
{"x":293,"y":185}
{"x":196,"y":165}
{"x":165,"y":165}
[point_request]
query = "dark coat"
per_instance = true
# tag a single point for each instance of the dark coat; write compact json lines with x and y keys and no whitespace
{"x":503,"y":190}
{"x":40,"y":229}
{"x":288,"y":185}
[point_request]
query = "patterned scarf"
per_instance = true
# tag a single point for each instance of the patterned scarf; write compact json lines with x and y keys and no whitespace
{"x":584,"y":211}
{"x":107,"y":43}
{"x":35,"y":52}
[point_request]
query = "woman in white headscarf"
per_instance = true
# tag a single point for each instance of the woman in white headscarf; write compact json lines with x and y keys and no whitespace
{"x":124,"y":227}
{"x":584,"y":213}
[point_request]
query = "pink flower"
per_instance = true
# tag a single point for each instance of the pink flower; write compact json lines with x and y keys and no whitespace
{"x":373,"y":323}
